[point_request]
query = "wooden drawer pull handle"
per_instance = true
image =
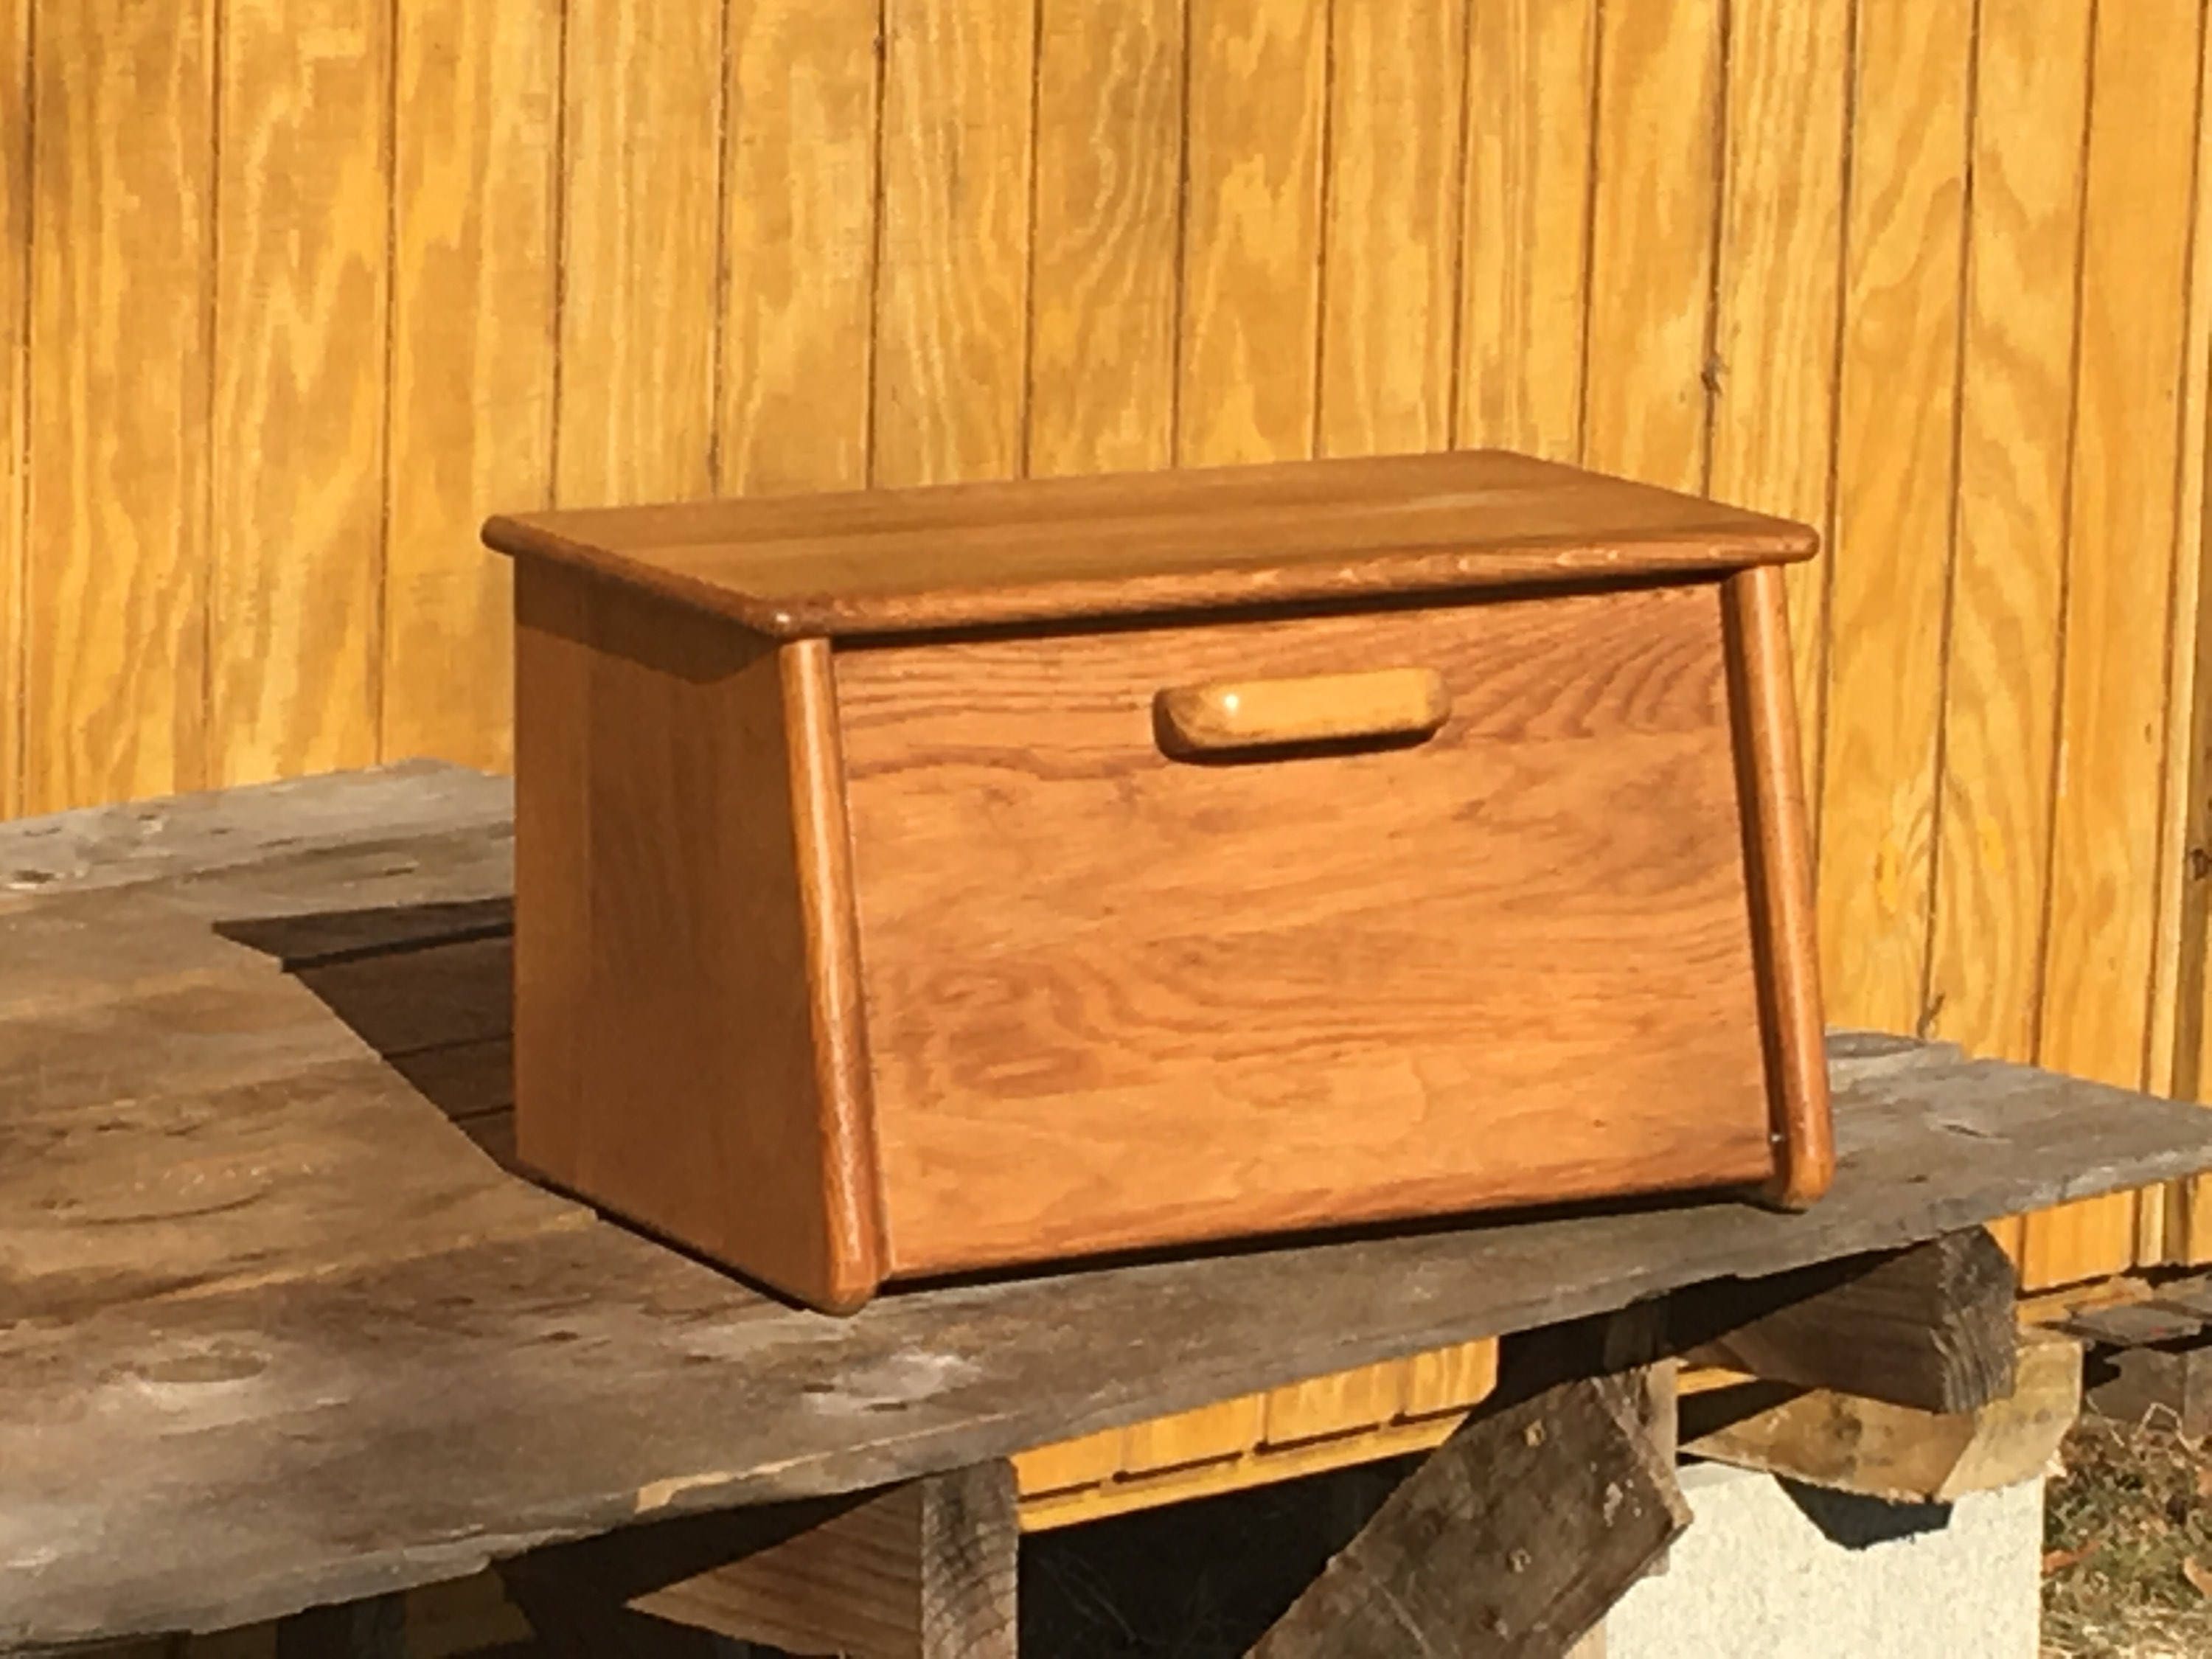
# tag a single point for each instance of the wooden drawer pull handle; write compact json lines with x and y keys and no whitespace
{"x":1226,"y":716}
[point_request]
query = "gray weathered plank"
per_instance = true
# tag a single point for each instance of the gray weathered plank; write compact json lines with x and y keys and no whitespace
{"x":276,"y":1333}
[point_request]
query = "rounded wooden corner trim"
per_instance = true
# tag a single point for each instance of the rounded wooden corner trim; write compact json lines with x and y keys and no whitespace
{"x":852,"y":1190}
{"x":1777,"y":851}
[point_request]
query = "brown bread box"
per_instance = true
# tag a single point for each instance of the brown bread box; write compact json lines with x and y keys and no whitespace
{"x":918,"y":881}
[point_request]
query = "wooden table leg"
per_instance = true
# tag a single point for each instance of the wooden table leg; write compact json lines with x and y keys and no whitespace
{"x":1513,"y":1539}
{"x":925,"y":1571}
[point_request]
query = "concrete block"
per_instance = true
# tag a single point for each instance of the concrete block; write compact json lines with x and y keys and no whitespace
{"x":1772,"y":1569}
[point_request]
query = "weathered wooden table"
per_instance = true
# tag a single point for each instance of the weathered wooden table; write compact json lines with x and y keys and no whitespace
{"x":278,"y":1330}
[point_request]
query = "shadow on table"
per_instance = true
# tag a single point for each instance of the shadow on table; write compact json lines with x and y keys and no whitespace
{"x":429,"y":986}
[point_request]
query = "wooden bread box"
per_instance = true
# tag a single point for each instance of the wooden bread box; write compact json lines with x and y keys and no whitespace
{"x":914,"y":882}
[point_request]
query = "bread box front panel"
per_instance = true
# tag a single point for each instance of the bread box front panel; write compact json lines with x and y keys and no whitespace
{"x":1119,"y":996}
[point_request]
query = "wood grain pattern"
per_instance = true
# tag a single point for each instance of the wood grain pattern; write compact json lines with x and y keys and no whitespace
{"x":798,"y":229}
{"x":2122,"y":544}
{"x":878,"y":562}
{"x":952,"y":322}
{"x":1524,"y":223}
{"x":1257,"y":106}
{"x":472,"y":360}
{"x":1391,"y":240}
{"x":1651,"y":242}
{"x":1934,"y":1328}
{"x":1779,"y":278}
{"x":1105,"y":246}
{"x":1015,"y":1027}
{"x":302,"y":189}
{"x":2184,"y":960}
{"x":1894,"y":447}
{"x":1234,"y":716}
{"x":1777,"y":848}
{"x":2015,"y":417}
{"x":1207,"y":1434}
{"x":1449,"y":1379}
{"x":736,"y":1130}
{"x":640,"y":227}
{"x":1525,"y":1525}
{"x":1901,"y":1455}
{"x":16,"y":222}
{"x":112,"y":702}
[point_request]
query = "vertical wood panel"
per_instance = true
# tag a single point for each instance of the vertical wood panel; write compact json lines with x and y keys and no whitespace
{"x":951,"y":330}
{"x":1109,"y":223}
{"x":642,"y":89}
{"x":1894,"y":446}
{"x":301,"y":293}
{"x":799,"y":234}
{"x":1258,"y":91}
{"x":471,"y":412}
{"x":2186,"y":881}
{"x":1985,"y":972}
{"x":1525,"y":222}
{"x":2121,"y":545}
{"x":113,"y":698}
{"x":1651,"y":242}
{"x":2016,"y":399}
{"x":1778,"y":295}
{"x":1391,"y":242}
{"x":15,"y":385}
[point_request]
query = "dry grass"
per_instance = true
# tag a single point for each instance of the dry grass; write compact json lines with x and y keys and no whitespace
{"x":2128,"y":1543}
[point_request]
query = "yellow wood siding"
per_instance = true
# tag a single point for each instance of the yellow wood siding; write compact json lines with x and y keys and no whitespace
{"x":292,"y":292}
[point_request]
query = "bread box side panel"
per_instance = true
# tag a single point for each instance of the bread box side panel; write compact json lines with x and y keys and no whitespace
{"x":686,"y":1021}
{"x":1117,"y":998}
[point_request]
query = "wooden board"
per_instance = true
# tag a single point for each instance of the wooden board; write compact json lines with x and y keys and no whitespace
{"x":2184,"y":920}
{"x":112,"y":702}
{"x":296,"y":437}
{"x":2123,"y":541}
{"x":1895,"y":445}
{"x":640,"y":221}
{"x":1103,"y":291}
{"x":1656,"y":142}
{"x":800,"y":193}
{"x":953,"y":287}
{"x":1894,"y":1453}
{"x":223,"y":1487}
{"x":1035,"y":1058}
{"x":2016,"y":411}
{"x":1256,"y":100}
{"x":15,"y":102}
{"x":1390,"y":232}
{"x":887,"y":561}
{"x":1525,"y":226}
{"x":1522,"y":1529}
{"x":471,"y":414}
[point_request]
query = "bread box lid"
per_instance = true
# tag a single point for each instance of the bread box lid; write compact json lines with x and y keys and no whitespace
{"x":1058,"y":550}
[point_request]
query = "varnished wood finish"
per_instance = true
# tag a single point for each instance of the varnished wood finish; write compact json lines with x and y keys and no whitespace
{"x":991,"y":553}
{"x":1234,"y":716}
{"x":688,"y":1050}
{"x":1115,"y":1000}
{"x":1779,"y":860}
